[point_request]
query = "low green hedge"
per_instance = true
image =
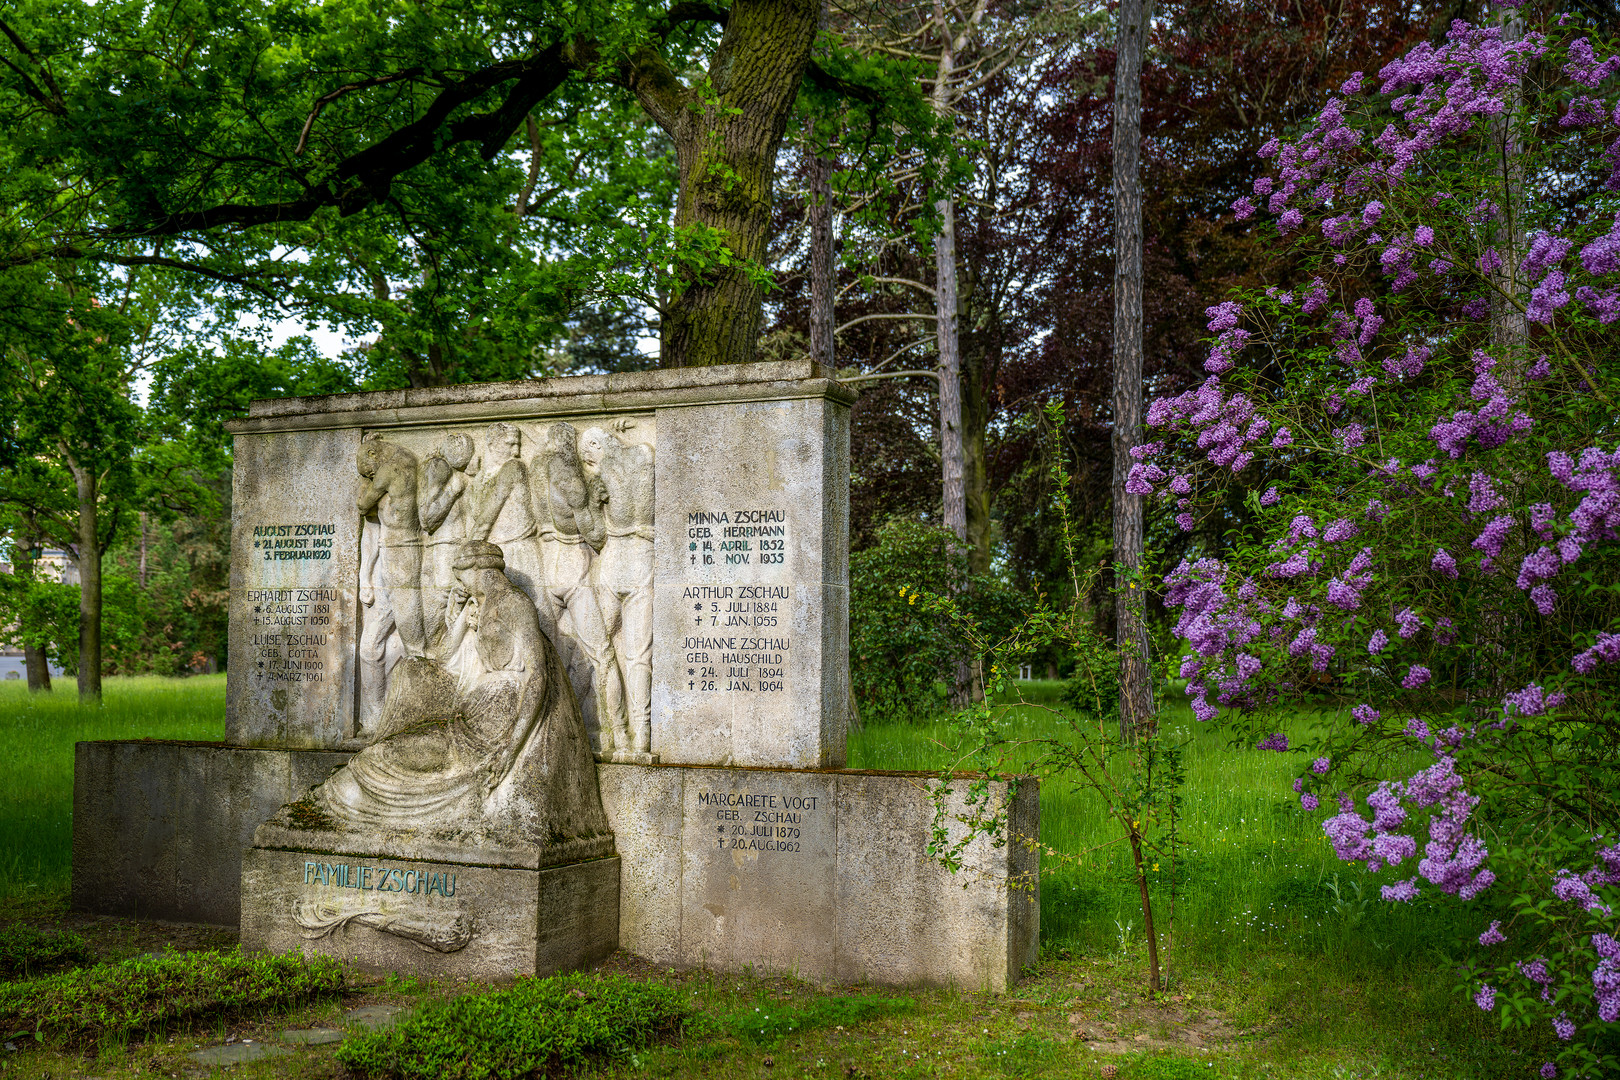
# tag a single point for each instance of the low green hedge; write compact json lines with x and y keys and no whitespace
{"x":157,"y":993}
{"x":537,"y":1027}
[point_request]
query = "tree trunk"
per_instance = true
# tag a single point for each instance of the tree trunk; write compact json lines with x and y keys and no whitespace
{"x":89,"y":555}
{"x":1509,"y":330}
{"x":1135,"y":689}
{"x":38,"y":665}
{"x":975,"y":463}
{"x":953,"y":490}
{"x":726,"y":130}
{"x":821,"y":256}
{"x":35,"y":661}
{"x":950,"y":357}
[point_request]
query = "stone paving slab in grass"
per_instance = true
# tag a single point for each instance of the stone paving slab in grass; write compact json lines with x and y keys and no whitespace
{"x":237,"y":1053}
{"x":312,"y":1036}
{"x":375,"y":1016}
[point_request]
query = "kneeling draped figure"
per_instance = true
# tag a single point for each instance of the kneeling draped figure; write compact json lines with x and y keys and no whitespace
{"x":481,"y":743}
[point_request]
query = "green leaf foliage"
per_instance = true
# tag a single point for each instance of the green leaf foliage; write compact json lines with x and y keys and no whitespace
{"x":903,"y":654}
{"x":538,"y":1027}
{"x":155,"y":993}
{"x":26,"y":951}
{"x":35,"y":611}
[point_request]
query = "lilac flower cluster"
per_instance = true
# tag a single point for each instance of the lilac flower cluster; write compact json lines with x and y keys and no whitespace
{"x":1452,"y":859}
{"x":1496,"y":421}
{"x":1397,"y":601}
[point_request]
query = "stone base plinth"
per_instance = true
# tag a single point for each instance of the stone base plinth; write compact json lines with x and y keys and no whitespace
{"x":438,"y":920}
{"x":841,"y":888}
{"x":159,"y":827}
{"x":821,"y":874}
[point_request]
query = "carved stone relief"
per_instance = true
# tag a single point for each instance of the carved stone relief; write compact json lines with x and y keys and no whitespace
{"x":478,"y":743}
{"x":570,"y":506}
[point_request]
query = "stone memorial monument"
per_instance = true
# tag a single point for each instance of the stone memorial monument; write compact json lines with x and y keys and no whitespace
{"x":522,"y":673}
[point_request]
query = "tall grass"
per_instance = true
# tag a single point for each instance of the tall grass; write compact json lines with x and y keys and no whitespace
{"x":1256,"y":877}
{"x":37,"y":732}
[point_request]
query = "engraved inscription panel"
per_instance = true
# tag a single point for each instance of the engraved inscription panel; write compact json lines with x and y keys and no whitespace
{"x":743,"y":508}
{"x":759,"y":849}
{"x":295,"y":548}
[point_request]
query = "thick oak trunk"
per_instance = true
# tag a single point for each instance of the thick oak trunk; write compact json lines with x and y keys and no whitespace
{"x":1135,"y":688}
{"x":727,"y":130}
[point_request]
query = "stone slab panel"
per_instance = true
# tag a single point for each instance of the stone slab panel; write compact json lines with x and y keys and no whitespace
{"x":491,"y":923}
{"x":644,"y":810}
{"x":902,"y":918}
{"x":159,"y":827}
{"x":237,"y":1053}
{"x":757,"y":885}
{"x":747,"y":495}
{"x":842,"y":889}
{"x":294,"y":619}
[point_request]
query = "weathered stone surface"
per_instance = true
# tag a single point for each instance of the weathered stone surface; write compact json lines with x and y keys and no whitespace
{"x":842,"y":887}
{"x":375,"y":1016}
{"x":441,"y":920}
{"x":619,"y":503}
{"x":159,"y":827}
{"x":295,"y":549}
{"x":644,"y":810}
{"x":752,"y":585}
{"x":896,"y":917}
{"x":312,"y":1036}
{"x":237,"y":1053}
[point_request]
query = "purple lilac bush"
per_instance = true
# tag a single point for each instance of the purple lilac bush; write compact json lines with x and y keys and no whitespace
{"x":1427,"y":426}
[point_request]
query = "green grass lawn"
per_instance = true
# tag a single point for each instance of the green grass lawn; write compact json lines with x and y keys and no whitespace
{"x":1257,"y":874}
{"x":37,"y":732}
{"x":1283,"y":962}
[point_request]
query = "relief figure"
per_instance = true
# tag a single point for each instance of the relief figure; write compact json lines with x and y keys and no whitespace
{"x":446,"y":510}
{"x":491,"y":750}
{"x":570,"y":532}
{"x":622,"y":486}
{"x":392,"y":560}
{"x":505,"y":514}
{"x":380,"y":644}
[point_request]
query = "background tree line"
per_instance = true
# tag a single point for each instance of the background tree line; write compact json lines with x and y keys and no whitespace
{"x":523,"y":190}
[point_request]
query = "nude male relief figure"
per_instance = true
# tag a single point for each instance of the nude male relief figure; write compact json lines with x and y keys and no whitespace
{"x":505,"y":514}
{"x":571,"y":530}
{"x":622,"y":486}
{"x":391,"y":567}
{"x":446,"y":510}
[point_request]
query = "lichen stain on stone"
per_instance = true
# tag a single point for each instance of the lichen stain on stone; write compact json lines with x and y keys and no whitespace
{"x":304,"y":814}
